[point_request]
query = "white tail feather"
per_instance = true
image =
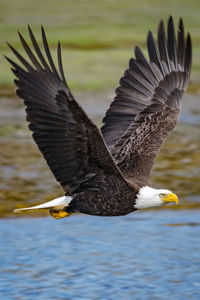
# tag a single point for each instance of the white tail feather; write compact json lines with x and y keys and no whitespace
{"x":56,"y":202}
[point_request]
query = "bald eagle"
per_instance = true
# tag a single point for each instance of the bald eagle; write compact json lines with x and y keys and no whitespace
{"x":106,"y":172}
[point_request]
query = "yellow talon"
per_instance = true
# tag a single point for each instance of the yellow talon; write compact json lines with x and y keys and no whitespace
{"x":58,"y":214}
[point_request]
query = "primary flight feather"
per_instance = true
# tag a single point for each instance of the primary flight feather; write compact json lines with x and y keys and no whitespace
{"x":107,"y":172}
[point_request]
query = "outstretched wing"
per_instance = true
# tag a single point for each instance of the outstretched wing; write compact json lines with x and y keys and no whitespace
{"x":71,"y":144}
{"x":148,"y":102}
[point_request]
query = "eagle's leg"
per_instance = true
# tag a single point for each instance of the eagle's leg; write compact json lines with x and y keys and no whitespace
{"x":59,"y":212}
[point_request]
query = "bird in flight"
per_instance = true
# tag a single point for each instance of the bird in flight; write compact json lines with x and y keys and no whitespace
{"x":105,"y":172}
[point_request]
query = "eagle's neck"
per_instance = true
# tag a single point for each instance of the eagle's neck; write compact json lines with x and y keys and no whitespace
{"x":147,"y":197}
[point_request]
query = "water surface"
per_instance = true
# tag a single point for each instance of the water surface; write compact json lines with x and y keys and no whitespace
{"x":139,"y":256}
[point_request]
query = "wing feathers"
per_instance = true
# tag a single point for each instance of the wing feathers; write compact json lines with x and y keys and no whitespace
{"x":21,"y":59}
{"x":71,"y":144}
{"x":29,"y":52}
{"x":48,"y":54}
{"x":37,"y":50}
{"x":148,"y":100}
{"x":181,"y":43}
{"x":60,"y":64}
{"x":146,"y":65}
{"x":172,"y":42}
{"x":188,"y":54}
{"x":141,"y":71}
{"x":153,"y":53}
{"x":163,"y":50}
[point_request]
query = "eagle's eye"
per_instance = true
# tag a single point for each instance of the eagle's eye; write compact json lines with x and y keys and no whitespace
{"x":162,"y":195}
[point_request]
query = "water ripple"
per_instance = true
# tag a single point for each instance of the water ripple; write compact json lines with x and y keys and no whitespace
{"x":132,"y":257}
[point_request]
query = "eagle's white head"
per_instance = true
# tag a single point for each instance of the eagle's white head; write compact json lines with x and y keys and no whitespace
{"x":148,"y":197}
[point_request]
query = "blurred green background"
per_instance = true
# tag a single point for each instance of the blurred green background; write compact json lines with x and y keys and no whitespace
{"x":97,"y":39}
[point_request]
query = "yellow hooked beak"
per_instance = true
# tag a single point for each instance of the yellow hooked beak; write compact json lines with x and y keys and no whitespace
{"x":171,"y":197}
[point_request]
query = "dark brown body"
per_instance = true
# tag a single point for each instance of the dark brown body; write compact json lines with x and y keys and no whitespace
{"x":115,"y":199}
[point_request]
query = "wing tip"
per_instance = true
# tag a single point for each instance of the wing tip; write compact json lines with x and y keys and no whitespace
{"x":180,"y":25}
{"x":161,"y":26}
{"x":188,"y":56}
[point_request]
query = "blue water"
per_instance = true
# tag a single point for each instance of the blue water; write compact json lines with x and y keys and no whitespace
{"x":140,"y":256}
